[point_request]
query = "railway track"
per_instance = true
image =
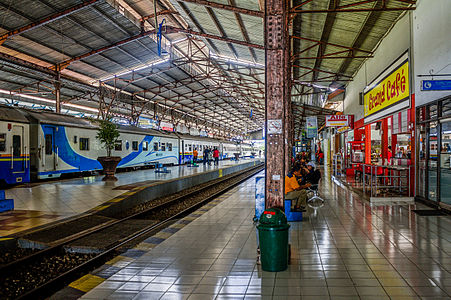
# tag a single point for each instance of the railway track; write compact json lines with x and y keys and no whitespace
{"x":41,"y":273}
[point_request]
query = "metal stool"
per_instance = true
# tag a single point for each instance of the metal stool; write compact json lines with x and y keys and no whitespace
{"x":313,"y":189}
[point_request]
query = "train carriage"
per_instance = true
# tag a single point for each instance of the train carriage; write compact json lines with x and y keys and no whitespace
{"x":66,"y":144}
{"x":189,"y":143}
{"x":14,"y":146}
{"x":39,"y":144}
{"x":247,"y":150}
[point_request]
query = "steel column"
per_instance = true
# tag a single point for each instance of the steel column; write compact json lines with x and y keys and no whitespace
{"x":276,"y":52}
{"x":58,"y":92}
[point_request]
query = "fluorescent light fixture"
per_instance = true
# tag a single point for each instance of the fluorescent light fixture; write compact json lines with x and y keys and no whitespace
{"x":48,"y":100}
{"x":235,"y":60}
{"x":148,"y":65}
{"x":81,"y":107}
{"x":179,"y":41}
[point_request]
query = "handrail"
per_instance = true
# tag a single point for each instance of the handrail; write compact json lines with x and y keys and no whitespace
{"x":12,"y":158}
{"x":390,"y":178}
{"x":57,"y":157}
{"x":25,"y":154}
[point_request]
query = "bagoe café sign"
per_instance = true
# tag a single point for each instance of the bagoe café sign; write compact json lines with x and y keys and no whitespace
{"x":390,"y":91}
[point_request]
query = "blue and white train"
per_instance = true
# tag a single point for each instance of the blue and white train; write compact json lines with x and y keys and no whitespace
{"x":37,"y":144}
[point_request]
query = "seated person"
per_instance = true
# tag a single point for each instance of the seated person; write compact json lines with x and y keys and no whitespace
{"x":313,"y":175}
{"x":294,"y":191}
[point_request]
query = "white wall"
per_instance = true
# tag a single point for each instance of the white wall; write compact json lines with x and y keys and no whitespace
{"x":395,"y":43}
{"x":432,"y":45}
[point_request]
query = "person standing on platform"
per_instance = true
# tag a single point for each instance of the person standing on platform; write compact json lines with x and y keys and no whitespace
{"x":216,"y":156}
{"x":206,"y":151}
{"x":389,"y":155}
{"x":210,"y":156}
{"x":195,"y":154}
{"x":294,"y":191}
{"x":321,"y":157}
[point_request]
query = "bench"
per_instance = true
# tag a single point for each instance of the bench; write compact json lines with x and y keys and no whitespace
{"x":5,"y":204}
{"x":292,"y":216}
{"x":159,"y":168}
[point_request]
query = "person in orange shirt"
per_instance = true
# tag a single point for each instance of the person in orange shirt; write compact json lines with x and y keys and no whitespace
{"x":294,"y":191}
{"x":195,"y":154}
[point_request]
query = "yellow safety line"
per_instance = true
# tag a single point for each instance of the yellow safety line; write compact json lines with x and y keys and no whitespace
{"x":87,"y":283}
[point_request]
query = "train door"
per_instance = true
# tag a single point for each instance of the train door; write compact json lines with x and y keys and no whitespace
{"x":17,"y":150}
{"x":50,"y":149}
{"x":182,"y":152}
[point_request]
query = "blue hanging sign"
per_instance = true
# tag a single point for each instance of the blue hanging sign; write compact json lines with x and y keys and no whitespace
{"x":435,"y":85}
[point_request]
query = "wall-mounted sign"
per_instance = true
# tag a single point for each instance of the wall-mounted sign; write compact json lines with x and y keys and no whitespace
{"x":166,"y":126}
{"x":147,"y":123}
{"x":436,"y":85}
{"x":312,"y":127}
{"x":275,"y":126}
{"x":389,"y":92}
{"x":343,"y":129}
{"x":339,"y":120}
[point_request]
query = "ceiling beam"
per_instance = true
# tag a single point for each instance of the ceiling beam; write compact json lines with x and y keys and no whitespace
{"x":243,"y":30}
{"x":236,"y":9}
{"x":365,"y":30}
{"x":220,"y":29}
{"x":170,"y":29}
{"x":47,"y":20}
{"x":350,"y":10}
{"x":160,"y":13}
{"x":66,"y":63}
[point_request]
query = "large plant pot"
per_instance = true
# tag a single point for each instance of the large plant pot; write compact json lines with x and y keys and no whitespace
{"x":109,"y":164}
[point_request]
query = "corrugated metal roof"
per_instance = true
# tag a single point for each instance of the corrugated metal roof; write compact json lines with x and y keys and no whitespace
{"x":212,"y":78}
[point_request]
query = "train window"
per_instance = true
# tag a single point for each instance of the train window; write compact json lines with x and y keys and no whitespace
{"x":145,"y":146}
{"x":190,"y":148}
{"x":75,"y":139}
{"x":48,"y":144}
{"x":16,"y":145}
{"x":2,"y":142}
{"x":169,"y":146}
{"x":155,"y":146}
{"x":163,"y":146}
{"x":135,"y":145}
{"x":118,"y":146}
{"x":84,"y":144}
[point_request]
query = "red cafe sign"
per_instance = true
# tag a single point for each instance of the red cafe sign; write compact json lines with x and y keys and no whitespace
{"x":339,"y":120}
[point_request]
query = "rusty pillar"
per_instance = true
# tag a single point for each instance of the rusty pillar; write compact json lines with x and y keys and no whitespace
{"x":276,"y":99}
{"x":288,"y":112}
{"x":58,"y":92}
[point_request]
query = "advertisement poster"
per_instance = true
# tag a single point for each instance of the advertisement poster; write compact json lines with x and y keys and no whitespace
{"x":312,"y":127}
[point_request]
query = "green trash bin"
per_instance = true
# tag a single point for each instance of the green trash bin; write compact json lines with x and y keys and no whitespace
{"x":273,"y":240}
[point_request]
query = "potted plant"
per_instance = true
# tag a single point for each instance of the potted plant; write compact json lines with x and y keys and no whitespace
{"x":107,"y":135}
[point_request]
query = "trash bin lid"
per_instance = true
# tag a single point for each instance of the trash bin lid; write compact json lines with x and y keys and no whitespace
{"x":273,"y":217}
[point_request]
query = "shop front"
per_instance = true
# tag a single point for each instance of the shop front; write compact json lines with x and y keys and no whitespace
{"x":377,"y":152}
{"x":434,"y":153}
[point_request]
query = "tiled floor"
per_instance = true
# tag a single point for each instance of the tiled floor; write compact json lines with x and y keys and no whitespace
{"x":18,"y":220}
{"x":70,"y":196}
{"x":347,"y":249}
{"x":48,"y":201}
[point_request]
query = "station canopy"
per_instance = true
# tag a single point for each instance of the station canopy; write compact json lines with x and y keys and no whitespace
{"x":196,"y":63}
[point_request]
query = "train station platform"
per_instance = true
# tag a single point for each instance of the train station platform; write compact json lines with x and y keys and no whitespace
{"x":40,"y":203}
{"x":346,"y":249}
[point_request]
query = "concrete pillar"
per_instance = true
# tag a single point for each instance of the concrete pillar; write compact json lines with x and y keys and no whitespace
{"x":276,"y":99}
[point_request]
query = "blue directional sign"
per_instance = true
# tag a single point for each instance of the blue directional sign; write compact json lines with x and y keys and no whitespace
{"x":436,"y":85}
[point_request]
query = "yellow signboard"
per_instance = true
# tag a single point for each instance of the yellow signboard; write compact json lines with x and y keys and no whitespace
{"x":392,"y":89}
